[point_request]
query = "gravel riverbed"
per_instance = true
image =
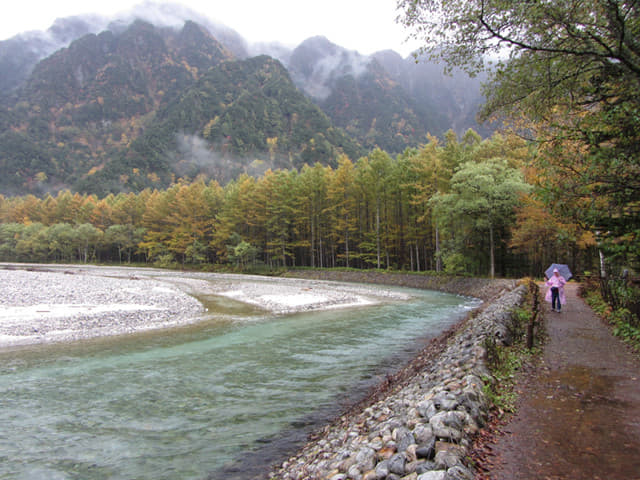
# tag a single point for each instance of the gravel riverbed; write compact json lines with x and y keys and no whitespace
{"x":55,"y":306}
{"x":53,"y":303}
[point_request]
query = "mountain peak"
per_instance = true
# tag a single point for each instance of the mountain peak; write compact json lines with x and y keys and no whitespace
{"x":67,"y":29}
{"x":108,"y":109}
{"x":319,"y":43}
{"x":316,"y":63}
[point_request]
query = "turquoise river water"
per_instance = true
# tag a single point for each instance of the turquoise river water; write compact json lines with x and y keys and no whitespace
{"x":192,"y":402}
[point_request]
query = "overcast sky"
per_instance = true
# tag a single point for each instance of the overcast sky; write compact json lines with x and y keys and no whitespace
{"x":363,"y":25}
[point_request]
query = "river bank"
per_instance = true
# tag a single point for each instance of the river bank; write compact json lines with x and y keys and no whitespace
{"x":419,"y":426}
{"x":485,"y":289}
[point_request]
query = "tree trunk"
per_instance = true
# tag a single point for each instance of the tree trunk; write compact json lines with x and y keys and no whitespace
{"x":492,"y":252}
{"x":346,"y":244}
{"x":378,"y":232}
{"x":313,"y":238}
{"x":438,"y":258}
{"x":411,"y":257}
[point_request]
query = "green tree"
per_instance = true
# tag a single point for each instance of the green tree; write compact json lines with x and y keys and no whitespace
{"x":154,"y":220}
{"x":278,"y":189}
{"x":9,"y":236}
{"x":60,"y":238}
{"x":311,"y":220}
{"x":432,"y":170}
{"x":86,"y":239}
{"x":341,"y":194}
{"x":125,"y":238}
{"x":374,"y":174}
{"x":481,"y":200}
{"x":229,"y":220}
{"x":242,"y":254}
{"x":32,"y":243}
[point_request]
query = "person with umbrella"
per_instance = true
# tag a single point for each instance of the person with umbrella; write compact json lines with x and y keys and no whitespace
{"x":555,"y":294}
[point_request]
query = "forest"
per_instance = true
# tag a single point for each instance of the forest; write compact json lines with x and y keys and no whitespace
{"x":460,"y":205}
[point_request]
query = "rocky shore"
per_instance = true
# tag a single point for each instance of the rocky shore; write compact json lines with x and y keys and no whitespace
{"x":483,"y":288}
{"x":421,"y":428}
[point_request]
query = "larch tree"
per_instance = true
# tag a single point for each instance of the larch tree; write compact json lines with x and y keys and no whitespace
{"x":342,"y":206}
{"x":311,"y":205}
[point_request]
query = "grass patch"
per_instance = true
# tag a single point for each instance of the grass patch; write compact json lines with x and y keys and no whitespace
{"x":625,"y":323}
{"x":505,"y":361}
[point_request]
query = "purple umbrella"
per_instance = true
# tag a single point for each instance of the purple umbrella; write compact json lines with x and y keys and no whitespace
{"x":562,"y":270}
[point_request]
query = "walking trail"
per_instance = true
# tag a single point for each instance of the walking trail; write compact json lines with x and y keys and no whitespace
{"x":578,"y":415}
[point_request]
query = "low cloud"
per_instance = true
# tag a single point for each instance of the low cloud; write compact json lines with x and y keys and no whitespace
{"x":331,"y":62}
{"x":195,"y":156}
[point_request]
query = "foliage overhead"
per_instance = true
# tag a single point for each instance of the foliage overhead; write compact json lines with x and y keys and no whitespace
{"x":572,"y":70}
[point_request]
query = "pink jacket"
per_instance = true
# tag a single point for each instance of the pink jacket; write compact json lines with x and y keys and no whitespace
{"x":556,"y":281}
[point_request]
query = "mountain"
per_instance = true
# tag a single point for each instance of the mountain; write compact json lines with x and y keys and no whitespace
{"x":456,"y":96}
{"x":142,"y":99}
{"x":381,"y":100}
{"x":242,"y":115}
{"x":84,"y":103}
{"x":360,"y":95}
{"x":20,"y":54}
{"x":138,"y":108}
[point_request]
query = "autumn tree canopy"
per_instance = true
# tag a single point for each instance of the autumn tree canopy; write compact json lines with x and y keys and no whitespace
{"x":568,"y":72}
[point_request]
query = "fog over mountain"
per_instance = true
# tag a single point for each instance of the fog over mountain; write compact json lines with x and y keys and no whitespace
{"x":19,"y":54}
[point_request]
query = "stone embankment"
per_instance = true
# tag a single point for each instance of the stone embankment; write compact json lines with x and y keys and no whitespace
{"x":421,"y":428}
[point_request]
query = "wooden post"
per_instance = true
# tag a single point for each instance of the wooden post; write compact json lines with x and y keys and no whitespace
{"x":533,"y":288}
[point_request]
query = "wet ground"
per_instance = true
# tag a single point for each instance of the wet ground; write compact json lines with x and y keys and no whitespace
{"x":579,"y":415}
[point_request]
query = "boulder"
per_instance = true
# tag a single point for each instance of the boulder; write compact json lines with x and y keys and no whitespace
{"x":382,"y":469}
{"x":425,"y":467}
{"x":449,"y":455}
{"x":433,"y":475}
{"x":423,"y":435}
{"x":452,"y":425}
{"x":397,"y":464}
{"x":458,"y":472}
{"x":366,"y":459}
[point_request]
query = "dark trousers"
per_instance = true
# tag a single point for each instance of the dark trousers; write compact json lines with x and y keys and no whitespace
{"x":555,"y":298}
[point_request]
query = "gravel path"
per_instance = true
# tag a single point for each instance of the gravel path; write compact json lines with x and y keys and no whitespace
{"x":578,"y":416}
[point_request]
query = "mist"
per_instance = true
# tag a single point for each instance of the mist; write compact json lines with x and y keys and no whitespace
{"x":317,"y":63}
{"x":194,"y":156}
{"x":63,"y":31}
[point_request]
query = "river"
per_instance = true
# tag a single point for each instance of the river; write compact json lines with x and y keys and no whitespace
{"x":195,"y":401}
